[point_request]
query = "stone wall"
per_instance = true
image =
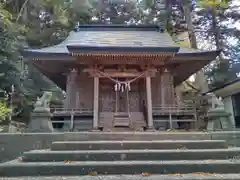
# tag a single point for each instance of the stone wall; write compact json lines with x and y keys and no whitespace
{"x":232,"y":137}
{"x":13,"y":145}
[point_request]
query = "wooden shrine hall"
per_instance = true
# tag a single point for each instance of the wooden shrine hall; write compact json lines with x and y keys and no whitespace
{"x":120,"y":77}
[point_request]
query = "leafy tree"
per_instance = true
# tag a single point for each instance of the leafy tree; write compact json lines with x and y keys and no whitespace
{"x":4,"y":111}
{"x":208,"y":21}
{"x":213,"y":26}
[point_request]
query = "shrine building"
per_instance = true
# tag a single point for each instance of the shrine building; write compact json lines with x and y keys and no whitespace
{"x":120,"y":77}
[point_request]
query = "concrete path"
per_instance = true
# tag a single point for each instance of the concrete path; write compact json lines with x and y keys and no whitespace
{"x":197,"y":176}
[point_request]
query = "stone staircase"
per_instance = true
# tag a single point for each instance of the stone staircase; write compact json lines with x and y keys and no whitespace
{"x":122,"y":121}
{"x":124,"y":154}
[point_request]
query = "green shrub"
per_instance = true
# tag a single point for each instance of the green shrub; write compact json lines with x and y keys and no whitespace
{"x":4,"y":111}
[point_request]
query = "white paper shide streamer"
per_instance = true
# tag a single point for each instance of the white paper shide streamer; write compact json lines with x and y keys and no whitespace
{"x":122,"y":85}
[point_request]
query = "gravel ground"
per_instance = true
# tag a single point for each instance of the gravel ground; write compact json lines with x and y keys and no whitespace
{"x":135,"y":177}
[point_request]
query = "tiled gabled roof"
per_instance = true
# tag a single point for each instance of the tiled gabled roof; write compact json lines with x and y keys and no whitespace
{"x":114,"y":36}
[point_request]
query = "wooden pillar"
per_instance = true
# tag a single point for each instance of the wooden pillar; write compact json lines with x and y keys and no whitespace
{"x":162,"y":91}
{"x":149,"y":102}
{"x":96,"y":103}
{"x":78,"y":100}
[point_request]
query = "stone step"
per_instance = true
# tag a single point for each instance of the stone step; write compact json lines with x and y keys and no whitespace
{"x":121,"y":122}
{"x":120,"y":129}
{"x":130,"y":155}
{"x":117,"y":145}
{"x":16,"y":168}
{"x":193,"y":176}
{"x":135,"y":136}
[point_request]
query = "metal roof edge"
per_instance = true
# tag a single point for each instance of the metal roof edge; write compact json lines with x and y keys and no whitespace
{"x":77,"y":48}
{"x":203,"y":53}
{"x":36,"y":53}
{"x":118,"y":27}
{"x":222,"y":86}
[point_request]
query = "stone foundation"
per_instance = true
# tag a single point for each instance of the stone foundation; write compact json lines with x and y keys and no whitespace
{"x":13,"y":145}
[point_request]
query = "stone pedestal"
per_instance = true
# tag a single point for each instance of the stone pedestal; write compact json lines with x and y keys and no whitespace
{"x":219,"y":119}
{"x":40,"y":121}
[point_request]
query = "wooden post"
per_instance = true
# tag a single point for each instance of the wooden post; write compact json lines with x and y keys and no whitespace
{"x":96,"y":103}
{"x":68,"y":92}
{"x":149,"y":102}
{"x":170,"y":120}
{"x":77,"y":100}
{"x":162,"y":91}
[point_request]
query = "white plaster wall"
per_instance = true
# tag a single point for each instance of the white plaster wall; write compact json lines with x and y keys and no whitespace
{"x":229,"y":107}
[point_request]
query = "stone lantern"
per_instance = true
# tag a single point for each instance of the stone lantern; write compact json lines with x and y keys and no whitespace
{"x":41,"y":115}
{"x":218,"y":119}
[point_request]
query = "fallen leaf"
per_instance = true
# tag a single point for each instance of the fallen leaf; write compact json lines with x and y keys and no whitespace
{"x":146,"y":174}
{"x":183,"y":148}
{"x":94,"y":173}
{"x":67,"y":161}
{"x":175,"y":174}
{"x":203,"y":174}
{"x":210,"y":160}
{"x":20,"y":158}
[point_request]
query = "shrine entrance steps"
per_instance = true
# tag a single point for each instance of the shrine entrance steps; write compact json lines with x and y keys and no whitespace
{"x":167,"y":154}
{"x":122,"y":121}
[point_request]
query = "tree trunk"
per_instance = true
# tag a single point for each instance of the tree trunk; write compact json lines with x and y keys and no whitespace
{"x":216,"y":33}
{"x":200,"y":79}
{"x":168,"y":8}
{"x":188,"y":17}
{"x":215,"y":28}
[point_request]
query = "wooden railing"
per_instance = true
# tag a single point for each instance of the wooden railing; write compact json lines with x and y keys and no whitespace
{"x":172,"y":114}
{"x":169,"y":114}
{"x":174,"y":109}
{"x":72,"y":111}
